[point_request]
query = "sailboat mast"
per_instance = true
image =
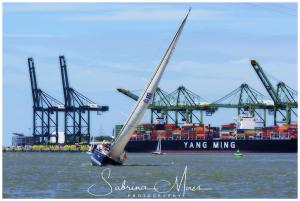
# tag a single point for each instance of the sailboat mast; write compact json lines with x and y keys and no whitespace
{"x":117,"y":147}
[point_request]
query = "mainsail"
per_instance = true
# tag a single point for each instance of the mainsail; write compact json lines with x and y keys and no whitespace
{"x":118,"y":145}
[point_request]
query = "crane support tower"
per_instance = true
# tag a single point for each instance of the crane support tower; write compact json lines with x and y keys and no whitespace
{"x":45,"y":111}
{"x":77,"y":110}
{"x":289,"y":97}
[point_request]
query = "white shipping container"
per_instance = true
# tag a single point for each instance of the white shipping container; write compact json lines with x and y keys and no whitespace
{"x":159,"y":121}
{"x":52,"y":139}
{"x":92,"y":105}
{"x":61,"y":137}
{"x":266,"y":102}
{"x":59,"y":106}
{"x":204,"y":103}
{"x":247,"y":123}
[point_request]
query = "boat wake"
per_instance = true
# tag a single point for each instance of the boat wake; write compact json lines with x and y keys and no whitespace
{"x":146,"y":165}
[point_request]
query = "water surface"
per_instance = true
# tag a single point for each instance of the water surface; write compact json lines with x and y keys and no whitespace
{"x":220,"y":175}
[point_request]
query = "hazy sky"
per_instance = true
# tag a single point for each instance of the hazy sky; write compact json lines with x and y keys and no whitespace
{"x":118,"y":45}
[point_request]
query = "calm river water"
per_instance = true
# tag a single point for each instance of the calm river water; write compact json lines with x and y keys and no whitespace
{"x":205,"y":175}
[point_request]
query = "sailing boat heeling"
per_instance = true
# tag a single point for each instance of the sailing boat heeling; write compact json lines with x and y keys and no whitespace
{"x":118,"y":145}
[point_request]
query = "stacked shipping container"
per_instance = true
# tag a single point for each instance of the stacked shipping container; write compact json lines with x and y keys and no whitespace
{"x":205,"y":132}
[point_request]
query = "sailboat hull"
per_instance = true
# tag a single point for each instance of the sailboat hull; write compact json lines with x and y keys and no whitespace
{"x":99,"y":158}
{"x":158,"y":153}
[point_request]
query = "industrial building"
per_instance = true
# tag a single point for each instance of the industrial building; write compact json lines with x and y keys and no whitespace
{"x":19,"y":139}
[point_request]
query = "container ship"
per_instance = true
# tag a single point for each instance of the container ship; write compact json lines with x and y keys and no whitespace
{"x":241,"y":135}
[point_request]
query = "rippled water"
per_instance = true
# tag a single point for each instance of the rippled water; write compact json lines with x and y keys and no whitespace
{"x":220,"y":175}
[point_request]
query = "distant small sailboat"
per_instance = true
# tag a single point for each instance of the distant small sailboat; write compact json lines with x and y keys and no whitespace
{"x":158,"y":149}
{"x":238,"y":153}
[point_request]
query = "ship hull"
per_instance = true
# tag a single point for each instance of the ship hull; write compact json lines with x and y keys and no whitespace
{"x":284,"y":146}
{"x":98,"y":158}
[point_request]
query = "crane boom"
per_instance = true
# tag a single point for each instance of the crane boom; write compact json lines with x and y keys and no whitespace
{"x":266,"y":82}
{"x":33,"y":82}
{"x":128,"y":93}
{"x":65,"y":80}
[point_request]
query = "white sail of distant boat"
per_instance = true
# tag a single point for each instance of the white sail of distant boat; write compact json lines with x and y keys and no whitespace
{"x":158,"y":148}
{"x":118,"y":145}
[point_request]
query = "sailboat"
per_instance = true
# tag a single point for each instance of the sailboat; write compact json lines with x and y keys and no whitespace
{"x":238,"y":153}
{"x":158,"y":149}
{"x":115,"y":154}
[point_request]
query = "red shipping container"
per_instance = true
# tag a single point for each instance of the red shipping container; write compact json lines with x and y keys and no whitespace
{"x":275,"y":128}
{"x":133,"y":136}
{"x":292,"y":132}
{"x":192,"y":134}
{"x":170,"y":126}
{"x":153,"y":135}
{"x":168,"y":134}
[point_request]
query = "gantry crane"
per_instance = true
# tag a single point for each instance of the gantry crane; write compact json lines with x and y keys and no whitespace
{"x":45,"y":111}
{"x":180,"y":103}
{"x":186,"y":103}
{"x":247,"y":101}
{"x":77,"y":110}
{"x":288,"y":96}
{"x":275,"y":95}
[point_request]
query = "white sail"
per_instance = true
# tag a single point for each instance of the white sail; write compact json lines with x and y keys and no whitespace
{"x":117,"y":147}
{"x":159,"y":145}
{"x":158,"y":149}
